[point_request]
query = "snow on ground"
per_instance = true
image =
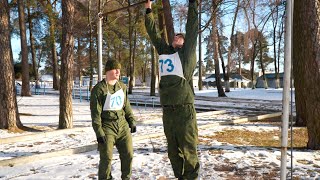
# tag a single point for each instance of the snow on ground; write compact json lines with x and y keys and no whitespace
{"x":219,"y":160}
{"x":259,"y":93}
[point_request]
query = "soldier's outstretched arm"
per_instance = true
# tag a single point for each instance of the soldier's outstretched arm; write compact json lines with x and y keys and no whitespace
{"x":151,"y":27}
{"x":190,"y":44}
{"x":192,"y":25}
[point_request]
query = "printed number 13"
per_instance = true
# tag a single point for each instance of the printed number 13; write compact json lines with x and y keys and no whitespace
{"x":167,"y":61}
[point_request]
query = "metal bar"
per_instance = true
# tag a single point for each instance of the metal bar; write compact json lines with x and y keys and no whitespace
{"x":286,"y":91}
{"x":123,"y":8}
{"x":99,"y":29}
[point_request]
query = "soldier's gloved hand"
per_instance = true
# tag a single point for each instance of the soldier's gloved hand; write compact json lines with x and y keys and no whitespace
{"x":133,"y":129}
{"x":101,"y":140}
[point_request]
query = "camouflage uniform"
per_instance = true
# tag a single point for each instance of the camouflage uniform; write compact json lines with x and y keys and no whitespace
{"x":112,"y":128}
{"x":177,"y":98}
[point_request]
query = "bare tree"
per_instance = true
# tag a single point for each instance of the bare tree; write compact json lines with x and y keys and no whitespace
{"x":275,"y":19}
{"x":227,"y":80}
{"x":132,"y":44}
{"x":254,"y":35}
{"x":32,"y":42}
{"x":306,"y":66}
{"x":153,"y":71}
{"x":216,"y":52}
{"x":67,"y":59}
{"x":131,"y":60}
{"x":49,"y":10}
{"x":24,"y":49}
{"x":90,"y":44}
{"x":8,"y":102}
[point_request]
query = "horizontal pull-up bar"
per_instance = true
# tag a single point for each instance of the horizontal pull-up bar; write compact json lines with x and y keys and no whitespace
{"x":123,"y":8}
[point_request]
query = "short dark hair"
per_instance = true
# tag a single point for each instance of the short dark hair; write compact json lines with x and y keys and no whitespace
{"x":180,"y":34}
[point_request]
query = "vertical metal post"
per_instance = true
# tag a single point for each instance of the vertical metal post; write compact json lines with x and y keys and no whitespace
{"x":88,"y":93}
{"x":286,"y":90}
{"x":80,"y":94}
{"x":44,"y":90}
{"x":100,"y":17}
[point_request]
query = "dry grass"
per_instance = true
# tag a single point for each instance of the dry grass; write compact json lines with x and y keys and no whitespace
{"x":262,"y":138}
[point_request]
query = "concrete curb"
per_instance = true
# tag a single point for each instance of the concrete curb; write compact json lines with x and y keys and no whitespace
{"x":39,"y":135}
{"x":27,"y":159}
{"x":91,"y":147}
{"x":243,"y":120}
{"x":199,"y":115}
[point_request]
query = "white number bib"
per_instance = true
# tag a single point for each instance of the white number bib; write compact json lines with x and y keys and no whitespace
{"x":170,"y":64}
{"x":114,"y":101}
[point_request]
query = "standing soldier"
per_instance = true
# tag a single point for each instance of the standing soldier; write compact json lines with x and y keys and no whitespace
{"x":111,"y":119}
{"x":176,"y":65}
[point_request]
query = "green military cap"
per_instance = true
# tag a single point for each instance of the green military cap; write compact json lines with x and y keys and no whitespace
{"x":112,"y":64}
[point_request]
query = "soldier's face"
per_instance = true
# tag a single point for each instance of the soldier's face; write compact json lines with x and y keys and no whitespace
{"x":113,"y":74}
{"x":178,"y":41}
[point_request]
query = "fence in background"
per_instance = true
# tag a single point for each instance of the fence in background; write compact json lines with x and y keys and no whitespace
{"x":80,"y":89}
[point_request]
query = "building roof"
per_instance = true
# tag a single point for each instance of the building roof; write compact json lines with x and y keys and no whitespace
{"x":272,"y":75}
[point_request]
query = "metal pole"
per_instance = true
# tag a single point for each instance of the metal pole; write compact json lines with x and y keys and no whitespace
{"x":100,"y":17}
{"x":286,"y":90}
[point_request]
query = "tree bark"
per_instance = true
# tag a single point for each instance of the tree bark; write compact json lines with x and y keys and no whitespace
{"x":90,"y":45}
{"x":32,"y":42}
{"x":8,"y":102}
{"x":153,"y":71}
{"x":215,"y":55}
{"x":227,"y":77}
{"x":274,"y":23}
{"x":168,"y":20}
{"x":265,"y":81}
{"x":25,"y":91}
{"x":306,"y":65}
{"x":131,"y":81}
{"x":222,"y":60}
{"x":54,"y":56}
{"x":162,"y":24}
{"x":79,"y":64}
{"x":67,"y":59}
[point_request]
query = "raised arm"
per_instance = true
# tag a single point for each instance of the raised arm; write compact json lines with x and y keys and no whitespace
{"x":190,"y":44}
{"x":192,"y":26}
{"x":151,"y":28}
